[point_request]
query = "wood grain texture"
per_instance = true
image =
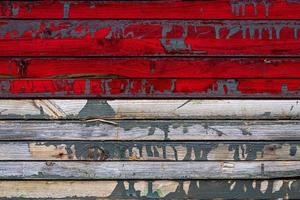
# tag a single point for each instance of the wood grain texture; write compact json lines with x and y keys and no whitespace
{"x":189,"y":189}
{"x":107,"y":88}
{"x":149,"y":38}
{"x":150,"y":130}
{"x":175,"y":67}
{"x":148,"y":170}
{"x":149,"y":109}
{"x":163,"y":9}
{"x":171,"y":149}
{"x":149,"y":150}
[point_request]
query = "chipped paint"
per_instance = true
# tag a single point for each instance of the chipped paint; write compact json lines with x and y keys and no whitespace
{"x":149,"y":88}
{"x":120,"y":29}
{"x":66,"y":9}
{"x":202,"y":189}
{"x":187,"y":151}
{"x":238,"y":7}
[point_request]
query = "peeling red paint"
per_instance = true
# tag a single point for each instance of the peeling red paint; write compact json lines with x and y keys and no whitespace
{"x":216,"y":9}
{"x":221,"y":68}
{"x":151,"y":88}
{"x":149,"y":38}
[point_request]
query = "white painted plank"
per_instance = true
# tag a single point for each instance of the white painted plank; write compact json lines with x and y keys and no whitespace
{"x":151,"y":109}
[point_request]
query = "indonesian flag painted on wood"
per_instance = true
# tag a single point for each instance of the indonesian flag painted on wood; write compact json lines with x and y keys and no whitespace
{"x":154,"y":49}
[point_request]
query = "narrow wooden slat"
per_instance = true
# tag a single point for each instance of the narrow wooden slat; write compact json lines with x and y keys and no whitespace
{"x":149,"y":109}
{"x":194,"y":189}
{"x":216,"y":9}
{"x":177,"y":67}
{"x":149,"y":38}
{"x":149,"y":170}
{"x":150,"y":130}
{"x":150,"y":88}
{"x":144,"y":151}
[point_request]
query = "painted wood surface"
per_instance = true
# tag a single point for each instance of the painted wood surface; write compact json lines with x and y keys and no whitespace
{"x":149,"y":109}
{"x":142,"y":130}
{"x":134,"y":189}
{"x":216,"y":9}
{"x":149,"y":38}
{"x":147,"y":151}
{"x":148,"y":170}
{"x":149,"y":67}
{"x":225,"y":136}
{"x":107,"y":88}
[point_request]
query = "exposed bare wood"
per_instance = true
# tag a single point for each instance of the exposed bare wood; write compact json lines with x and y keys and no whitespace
{"x":150,"y":130}
{"x":149,"y":170}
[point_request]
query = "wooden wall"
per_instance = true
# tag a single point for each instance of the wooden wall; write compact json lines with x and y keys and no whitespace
{"x":150,"y":99}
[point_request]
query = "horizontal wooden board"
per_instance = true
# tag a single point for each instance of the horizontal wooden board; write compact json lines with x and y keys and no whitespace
{"x":149,"y":38}
{"x":150,"y":88}
{"x":190,"y":189}
{"x":149,"y":109}
{"x":98,"y":129}
{"x":163,"y":9}
{"x":81,"y":170}
{"x":176,"y":67}
{"x":147,"y":151}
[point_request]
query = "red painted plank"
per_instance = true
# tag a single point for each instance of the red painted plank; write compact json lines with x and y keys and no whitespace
{"x":148,"y":37}
{"x":178,"y":67}
{"x":150,"y":88}
{"x":167,"y":9}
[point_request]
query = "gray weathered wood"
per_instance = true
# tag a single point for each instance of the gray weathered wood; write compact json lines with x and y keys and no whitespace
{"x":145,"y":150}
{"x":150,"y":130}
{"x":149,"y":170}
{"x":194,"y":189}
{"x":150,"y":109}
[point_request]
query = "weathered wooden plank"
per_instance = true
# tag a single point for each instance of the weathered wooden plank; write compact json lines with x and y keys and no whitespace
{"x":149,"y":37}
{"x":194,"y":189}
{"x":142,"y":151}
{"x":176,"y":67}
{"x":149,"y":109}
{"x":150,"y":130}
{"x":150,"y":88}
{"x":81,"y":170}
{"x":163,"y":9}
